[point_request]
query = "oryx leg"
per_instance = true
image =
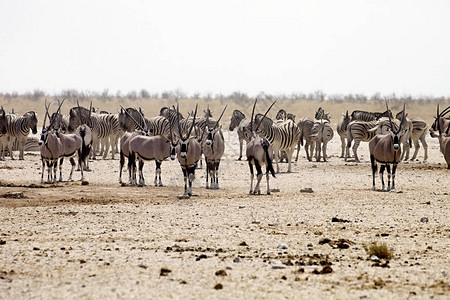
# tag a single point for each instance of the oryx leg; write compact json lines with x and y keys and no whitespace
{"x":132,"y":168}
{"x":382,"y":167}
{"x":121,"y":163}
{"x":267,"y":179}
{"x":207,"y":173}
{"x":373,"y":162}
{"x":49,"y":171}
{"x":394,"y":168}
{"x":259,"y":175}
{"x":185,"y":176}
{"x":276,"y":151}
{"x":61,"y":160}
{"x":141,"y":174}
{"x":216,"y":175}
{"x":388,"y":169}
{"x":43,"y":169}
{"x":158,"y":173}
{"x":72,"y":162}
{"x":251,"y":176}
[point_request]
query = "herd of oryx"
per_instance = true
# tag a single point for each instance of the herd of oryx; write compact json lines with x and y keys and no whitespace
{"x":84,"y":133}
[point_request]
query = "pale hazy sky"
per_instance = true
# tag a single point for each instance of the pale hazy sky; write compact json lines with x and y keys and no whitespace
{"x":225,"y":46}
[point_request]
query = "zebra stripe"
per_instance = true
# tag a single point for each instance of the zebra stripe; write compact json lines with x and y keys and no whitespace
{"x":321,"y":133}
{"x":305,"y":125}
{"x":341,"y":129}
{"x":366,"y":116}
{"x":239,"y":120}
{"x":18,"y":129}
{"x":282,"y":136}
{"x":360,"y":132}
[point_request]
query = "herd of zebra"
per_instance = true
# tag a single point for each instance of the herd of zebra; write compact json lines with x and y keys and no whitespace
{"x":85,"y":132}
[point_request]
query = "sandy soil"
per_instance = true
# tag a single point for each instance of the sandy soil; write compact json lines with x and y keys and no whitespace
{"x":69,"y":240}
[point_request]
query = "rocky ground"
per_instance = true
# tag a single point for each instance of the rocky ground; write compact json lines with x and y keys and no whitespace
{"x":102,"y":239}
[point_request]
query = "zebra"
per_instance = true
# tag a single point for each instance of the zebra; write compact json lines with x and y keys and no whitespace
{"x":321,"y":133}
{"x":360,"y":115}
{"x":18,"y":128}
{"x":283,"y":116}
{"x":172,"y":115}
{"x":341,"y":129}
{"x":2,"y":122}
{"x":281,"y":136}
{"x":238,"y":120}
{"x":322,"y":115}
{"x":360,"y":132}
{"x":305,"y":125}
{"x":108,"y":131}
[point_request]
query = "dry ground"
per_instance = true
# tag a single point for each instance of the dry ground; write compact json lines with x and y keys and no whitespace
{"x":103,"y":240}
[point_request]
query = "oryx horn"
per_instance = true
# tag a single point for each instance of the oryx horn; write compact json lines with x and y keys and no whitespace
{"x":264,"y":116}
{"x":218,"y":120}
{"x":193,"y":121}
{"x":135,"y":122}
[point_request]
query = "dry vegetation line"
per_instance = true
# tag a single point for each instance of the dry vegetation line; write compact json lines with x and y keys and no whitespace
{"x":340,"y":239}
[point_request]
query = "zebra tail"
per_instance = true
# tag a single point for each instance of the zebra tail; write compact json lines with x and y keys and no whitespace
{"x":269,"y":164}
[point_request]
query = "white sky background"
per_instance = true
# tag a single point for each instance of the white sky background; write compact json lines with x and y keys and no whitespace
{"x":225,"y":46}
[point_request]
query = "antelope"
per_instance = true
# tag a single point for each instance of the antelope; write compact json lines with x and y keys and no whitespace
{"x":213,"y":149}
{"x":444,"y":122}
{"x":189,"y":153}
{"x":259,"y":152}
{"x":144,"y":148}
{"x":55,"y":145}
{"x":2,"y":121}
{"x":444,"y":138}
{"x":385,"y":149}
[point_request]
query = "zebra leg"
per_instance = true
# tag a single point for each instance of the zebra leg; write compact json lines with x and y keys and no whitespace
{"x":318,"y":151}
{"x":324,"y":151}
{"x":251,"y":177}
{"x":342,"y":147}
{"x":72,"y":162}
{"x":258,"y":177}
{"x":21,"y":146}
{"x":112,"y":142}
{"x":61,"y":160}
{"x":382,"y":167}
{"x":373,"y":162}
{"x":425,"y":147}
{"x":394,"y":168}
{"x":241,"y":142}
{"x":275,"y":150}
{"x":141,"y":174}
{"x":10,"y":146}
{"x":416,"y":150}
{"x":308,"y":149}
{"x":298,"y":150}
{"x":289,"y":153}
{"x":105,"y":153}
{"x":355,"y":149}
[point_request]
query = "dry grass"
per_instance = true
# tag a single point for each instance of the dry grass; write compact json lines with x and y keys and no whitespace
{"x":380,"y":250}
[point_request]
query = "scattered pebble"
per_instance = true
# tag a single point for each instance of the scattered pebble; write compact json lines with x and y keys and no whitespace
{"x":335,"y":219}
{"x":218,"y":286}
{"x":221,"y":273}
{"x":282,"y":246}
{"x":374,"y":258}
{"x":424,"y":219}
{"x":277,"y":265}
{"x":236,"y":260}
{"x":243,"y":243}
{"x":307,"y":190}
{"x":165,"y":271}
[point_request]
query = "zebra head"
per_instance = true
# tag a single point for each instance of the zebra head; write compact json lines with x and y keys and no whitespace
{"x":32,"y":121}
{"x":2,"y":121}
{"x":236,"y":118}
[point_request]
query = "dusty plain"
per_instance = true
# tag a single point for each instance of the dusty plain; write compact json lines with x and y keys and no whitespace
{"x":104,"y":240}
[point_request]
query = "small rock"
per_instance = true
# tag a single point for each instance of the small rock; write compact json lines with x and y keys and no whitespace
{"x":236,"y":260}
{"x":424,"y":219}
{"x":241,"y":206}
{"x":282,"y":246}
{"x":374,"y":258}
{"x":444,"y":273}
{"x":218,"y":286}
{"x":164,"y":271}
{"x":84,"y":182}
{"x":278,"y":265}
{"x":142,"y":266}
{"x":335,"y":219}
{"x":307,"y":190}
{"x":243,"y":243}
{"x":221,"y":273}
{"x":2,"y":242}
{"x":275,"y":190}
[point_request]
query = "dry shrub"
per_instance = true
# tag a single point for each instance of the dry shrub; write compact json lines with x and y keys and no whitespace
{"x":380,"y":250}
